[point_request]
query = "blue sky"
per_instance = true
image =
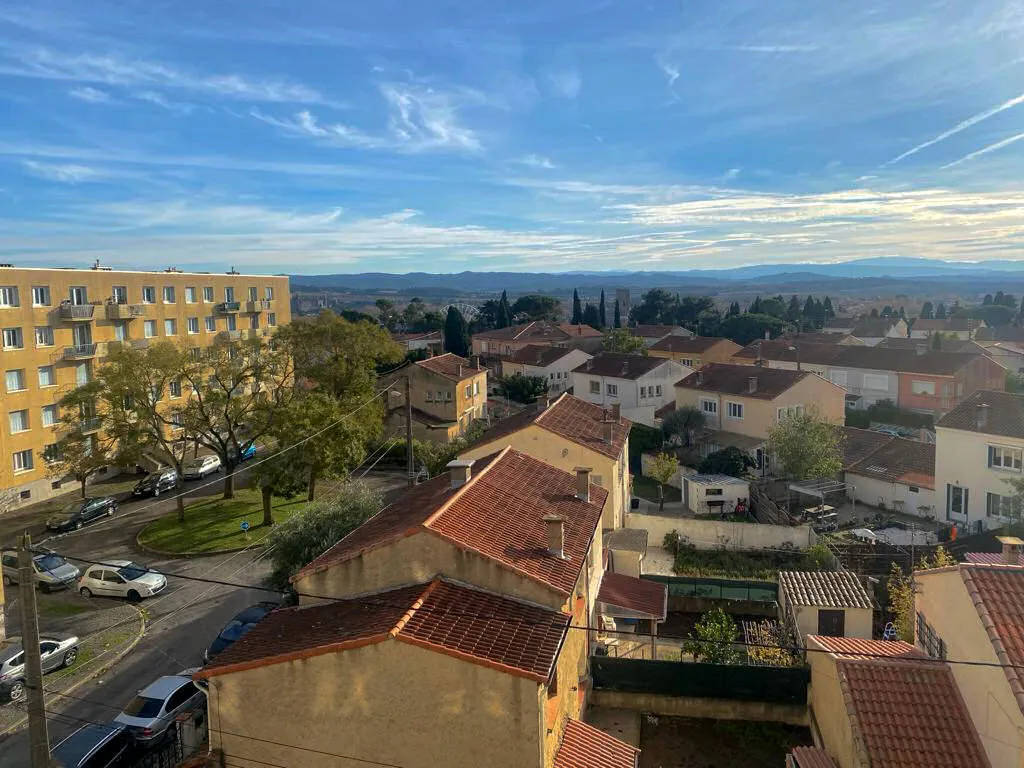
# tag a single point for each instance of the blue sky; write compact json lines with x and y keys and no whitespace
{"x":401,"y":136}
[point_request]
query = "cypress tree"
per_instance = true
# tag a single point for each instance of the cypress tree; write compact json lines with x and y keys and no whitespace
{"x":618,"y":315}
{"x":577,"y":308}
{"x":602,"y":312}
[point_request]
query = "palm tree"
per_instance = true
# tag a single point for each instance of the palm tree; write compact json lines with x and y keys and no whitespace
{"x":684,"y":422}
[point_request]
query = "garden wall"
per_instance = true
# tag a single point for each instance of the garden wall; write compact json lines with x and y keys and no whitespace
{"x":718,"y":534}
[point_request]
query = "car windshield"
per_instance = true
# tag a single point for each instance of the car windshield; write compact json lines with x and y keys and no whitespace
{"x":152,"y":477}
{"x":143,"y":706}
{"x":71,"y":509}
{"x":235,"y":630}
{"x":50,"y":562}
{"x":196,"y":462}
{"x":132,"y":571}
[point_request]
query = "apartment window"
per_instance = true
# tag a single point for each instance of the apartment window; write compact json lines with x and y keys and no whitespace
{"x":734,"y":410}
{"x":687,"y":361}
{"x":174,"y":388}
{"x":170,"y":327}
{"x":430,"y":395}
{"x":595,"y":387}
{"x":789,"y":410}
{"x":612,"y":390}
{"x":469,"y":390}
{"x":13,"y":338}
{"x":208,"y":293}
{"x":40,"y":295}
{"x":271,"y":319}
{"x":193,"y":325}
{"x":476,"y":388}
{"x":168,"y":294}
{"x":643,"y":392}
{"x":8,"y":296}
{"x":49,"y":415}
{"x":121,"y":331}
{"x":1000,"y":457}
{"x":254,"y":321}
{"x":211,"y":324}
{"x":81,"y":374}
{"x":18,"y":421}
{"x":447,"y":396}
{"x":657,"y":390}
{"x":1003,"y":506}
{"x":119,"y":294}
{"x":196,"y":353}
{"x":254,"y":293}
{"x":929,"y":639}
{"x":268,"y":292}
{"x":78,"y":295}
{"x":51,"y":453}
{"x":148,"y":294}
{"x":149,"y":328}
{"x":177,"y":421}
{"x":190,"y":294}
{"x":15,"y":380}
{"x":23,"y":461}
{"x":229,"y":293}
{"x":232,"y":323}
{"x":957,"y":498}
{"x":47,"y":376}
{"x":875,"y":381}
{"x":44,"y":336}
{"x":838,"y":378}
{"x":922,"y":387}
{"x":709,"y":406}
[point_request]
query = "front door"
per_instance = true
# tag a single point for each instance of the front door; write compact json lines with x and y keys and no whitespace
{"x":956,"y":501}
{"x":831,"y":623}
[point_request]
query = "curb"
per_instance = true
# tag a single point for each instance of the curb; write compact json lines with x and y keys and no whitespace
{"x":189,"y":555}
{"x":99,"y":671}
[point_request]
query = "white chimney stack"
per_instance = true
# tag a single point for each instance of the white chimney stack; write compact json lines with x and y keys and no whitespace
{"x":460,"y":470}
{"x":981,"y":412}
{"x":583,"y":483}
{"x":752,"y":384}
{"x":554,"y":528}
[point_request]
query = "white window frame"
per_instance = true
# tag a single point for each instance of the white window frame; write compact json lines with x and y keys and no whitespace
{"x":174,"y":389}
{"x":40,"y":295}
{"x":49,"y":409}
{"x":268,"y":292}
{"x":170,"y":326}
{"x":168,"y":295}
{"x":52,"y":376}
{"x":1004,"y":458}
{"x":149,"y":294}
{"x":208,"y":294}
{"x":47,"y":333}
{"x":875,"y":377}
{"x":9,"y":297}
{"x":193,"y":325}
{"x":23,"y":461}
{"x":709,"y":406}
{"x":23,"y":424}
{"x":595,"y":387}
{"x":211,"y":324}
{"x":190,"y":294}
{"x":271,"y":319}
{"x":922,"y":388}
{"x":20,"y":375}
{"x":734,"y":410}
{"x":149,"y":329}
{"x":788,"y":410}
{"x":13,"y":338}
{"x":612,"y":390}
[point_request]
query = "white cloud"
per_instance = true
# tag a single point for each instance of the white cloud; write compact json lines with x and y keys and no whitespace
{"x":731,"y":174}
{"x":565,"y":83}
{"x":93,"y":95}
{"x":985,"y":150}
{"x":153,"y":97}
{"x":671,"y":72}
{"x":67,"y":173}
{"x":536,"y":161}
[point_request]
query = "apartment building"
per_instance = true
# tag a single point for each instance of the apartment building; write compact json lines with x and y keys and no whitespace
{"x":58,"y":324}
{"x":694,"y":351}
{"x":638,"y":385}
{"x":553,"y":364}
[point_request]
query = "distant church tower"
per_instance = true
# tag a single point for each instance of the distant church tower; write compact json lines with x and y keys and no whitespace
{"x":622,"y":299}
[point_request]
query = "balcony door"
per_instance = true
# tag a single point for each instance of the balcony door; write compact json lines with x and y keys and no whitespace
{"x":79,"y":295}
{"x":82,"y":335}
{"x":119,"y":294}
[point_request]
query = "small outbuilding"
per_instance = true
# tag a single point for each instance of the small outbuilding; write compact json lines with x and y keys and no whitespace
{"x":714,"y":494}
{"x":829,"y":603}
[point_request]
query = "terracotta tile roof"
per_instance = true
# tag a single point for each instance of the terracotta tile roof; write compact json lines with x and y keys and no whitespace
{"x":990,"y":558}
{"x":539,"y":354}
{"x":480,"y":627}
{"x":1004,"y":415}
{"x":948,"y":324}
{"x":909,"y":462}
{"x":908,"y":713}
{"x":948,"y":345}
{"x":576,"y":420}
{"x":498,"y":514}
{"x":584,"y":746}
{"x":859,"y":648}
{"x":812,"y":757}
{"x":537,"y":329}
{"x":829,"y":589}
{"x":735,"y":380}
{"x":582,"y":330}
{"x":789,"y":350}
{"x":861,"y":443}
{"x":639,"y":595}
{"x":451,"y":366}
{"x":656,"y":331}
{"x":688,"y":344}
{"x":620,"y":366}
{"x":931,"y":362}
{"x":873,"y":326}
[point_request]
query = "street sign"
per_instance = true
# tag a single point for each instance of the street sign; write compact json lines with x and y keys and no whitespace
{"x":245,"y":525}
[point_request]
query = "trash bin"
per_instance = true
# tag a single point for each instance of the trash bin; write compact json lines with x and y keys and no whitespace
{"x":634,"y":503}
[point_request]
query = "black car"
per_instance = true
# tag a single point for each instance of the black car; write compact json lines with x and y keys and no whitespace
{"x":95,"y":746}
{"x":237,"y":627}
{"x":82,"y":512}
{"x":156,"y":483}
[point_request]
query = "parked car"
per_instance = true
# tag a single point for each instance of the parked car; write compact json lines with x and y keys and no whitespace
{"x":121,"y":578}
{"x":156,"y":483}
{"x":248,"y":451}
{"x":95,"y":746}
{"x":82,"y":512}
{"x":51,"y":570}
{"x":151,"y":714}
{"x":56,"y":653}
{"x":200,"y":467}
{"x":237,"y":627}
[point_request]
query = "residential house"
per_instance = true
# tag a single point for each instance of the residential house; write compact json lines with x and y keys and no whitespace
{"x":877,"y":703}
{"x":504,"y":342}
{"x":553,"y":364}
{"x":822,"y":337}
{"x":838,"y":324}
{"x":832,"y":603}
{"x":694,"y":351}
{"x":430,"y":341}
{"x":975,"y":612}
{"x":1008,"y":354}
{"x":967,"y":346}
{"x":963,"y":328}
{"x":871,"y":330}
{"x":896,"y":473}
{"x":567,"y":434}
{"x":626,"y":549}
{"x":978,"y":446}
{"x":448,"y":394}
{"x":713,"y":494}
{"x":741,"y":403}
{"x":651,"y":334}
{"x":639,"y":385}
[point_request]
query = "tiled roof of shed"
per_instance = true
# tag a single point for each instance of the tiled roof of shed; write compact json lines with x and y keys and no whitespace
{"x":584,"y":746}
{"x":826,"y":589}
{"x":640,"y":595}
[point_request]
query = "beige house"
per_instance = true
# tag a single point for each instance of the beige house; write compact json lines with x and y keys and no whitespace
{"x":975,"y":612}
{"x":566,"y":434}
{"x":831,"y":603}
{"x":448,"y":394}
{"x":694,"y":351}
{"x":884,"y":704}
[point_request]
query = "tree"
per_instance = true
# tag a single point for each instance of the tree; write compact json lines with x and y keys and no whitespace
{"x":744,"y":329}
{"x":709,"y":322}
{"x":656,"y":306}
{"x":522,"y":389}
{"x":806,"y":446}
{"x":591,"y":316}
{"x":775,"y":307}
{"x":412,"y":315}
{"x":793,"y":311}
{"x":662,"y":468}
{"x":602,"y":312}
{"x":386,"y":313}
{"x":618,"y":315}
{"x":902,"y":313}
{"x":684,"y":422}
{"x":994,"y":314}
{"x":887,"y":311}
{"x":534,"y":306}
{"x":486,"y":318}
{"x":927,"y":311}
{"x":456,"y":334}
{"x":730,"y":461}
{"x":276,"y":476}
{"x":734,"y":310}
{"x":755,"y":306}
{"x":901,"y":602}
{"x":622,"y":341}
{"x":714,"y":638}
{"x":874,"y":312}
{"x":987,"y":301}
{"x":504,"y":312}
{"x":809,"y":308}
{"x":78,"y":455}
{"x":688,"y":310}
{"x":577,"y":308}
{"x":827,"y":307}
{"x":940,"y":311}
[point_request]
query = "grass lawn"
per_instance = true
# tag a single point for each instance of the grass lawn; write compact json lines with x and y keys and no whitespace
{"x":214,"y":524}
{"x":646,"y":488}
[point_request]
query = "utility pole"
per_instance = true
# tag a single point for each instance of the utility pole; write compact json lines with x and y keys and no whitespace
{"x":39,"y":742}
{"x":410,"y":459}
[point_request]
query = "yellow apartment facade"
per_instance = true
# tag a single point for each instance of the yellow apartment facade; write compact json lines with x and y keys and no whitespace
{"x":58,"y":324}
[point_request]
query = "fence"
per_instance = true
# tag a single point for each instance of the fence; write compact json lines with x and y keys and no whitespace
{"x":718,"y":589}
{"x":778,"y":685}
{"x":719,"y":534}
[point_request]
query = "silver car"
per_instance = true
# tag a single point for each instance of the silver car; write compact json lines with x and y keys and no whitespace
{"x":152,"y":713}
{"x":121,"y":578}
{"x":51,"y":570}
{"x":56,"y":653}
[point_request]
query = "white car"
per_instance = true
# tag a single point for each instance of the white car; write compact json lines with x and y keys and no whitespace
{"x":200,"y":467}
{"x":121,"y":578}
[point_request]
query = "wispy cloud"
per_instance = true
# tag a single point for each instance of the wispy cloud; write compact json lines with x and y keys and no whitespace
{"x":65,"y":173}
{"x":774,"y":48}
{"x":536,"y":161}
{"x":93,"y":95}
{"x":961,"y":126}
{"x":153,"y":97}
{"x":565,"y":83}
{"x":731,"y":174}
{"x":986,"y":150}
{"x":306,"y":124}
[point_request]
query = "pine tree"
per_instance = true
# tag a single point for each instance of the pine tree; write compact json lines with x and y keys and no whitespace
{"x":602,"y":312}
{"x":591,"y":316}
{"x":793,"y":310}
{"x":504,"y":319}
{"x":987,"y":301}
{"x":829,"y":311}
{"x":927,"y":311}
{"x":809,"y":308}
{"x":618,"y":315}
{"x":940,"y":311}
{"x":903,"y":313}
{"x":577,"y":308}
{"x":734,"y":309}
{"x":819,"y":313}
{"x":755,"y":307}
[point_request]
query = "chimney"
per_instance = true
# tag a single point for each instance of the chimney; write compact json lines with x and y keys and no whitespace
{"x":583,"y":483}
{"x":616,"y":412}
{"x":981,"y":415}
{"x":608,"y":432}
{"x":625,"y":367}
{"x":476,"y":361}
{"x":752,"y":384}
{"x":700,"y":377}
{"x":554,"y":528}
{"x":1011,"y":549}
{"x":590,"y":364}
{"x":460,"y":470}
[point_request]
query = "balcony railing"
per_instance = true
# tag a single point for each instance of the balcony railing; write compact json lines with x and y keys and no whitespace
{"x":89,"y":424}
{"x":81,"y":351}
{"x":125,"y":311}
{"x":258,"y":305}
{"x":252,"y":333}
{"x":229,"y":335}
{"x":228,"y":307}
{"x":77,"y":312}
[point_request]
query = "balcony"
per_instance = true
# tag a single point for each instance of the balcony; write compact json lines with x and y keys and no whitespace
{"x":82,"y":351}
{"x":251,"y":333}
{"x":77,"y":312}
{"x":125,"y":311}
{"x":228,"y":307}
{"x":254,"y":306}
{"x":229,"y":335}
{"x":89,"y":424}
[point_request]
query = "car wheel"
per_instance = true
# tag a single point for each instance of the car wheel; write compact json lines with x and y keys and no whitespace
{"x":133,"y":596}
{"x":78,"y":524}
{"x":156,"y":491}
{"x":17,"y":690}
{"x":7,"y":581}
{"x":70,"y":657}
{"x":44,"y":588}
{"x":85,"y":592}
